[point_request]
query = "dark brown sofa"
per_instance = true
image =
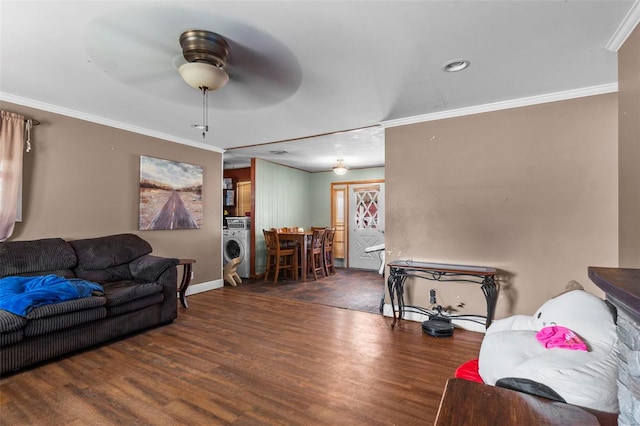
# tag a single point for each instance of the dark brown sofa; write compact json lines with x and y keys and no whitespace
{"x":139,"y":293}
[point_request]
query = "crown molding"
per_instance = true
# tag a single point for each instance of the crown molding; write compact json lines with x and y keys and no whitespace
{"x":502,"y":105}
{"x":106,"y":122}
{"x":628,"y":24}
{"x":460,"y":112}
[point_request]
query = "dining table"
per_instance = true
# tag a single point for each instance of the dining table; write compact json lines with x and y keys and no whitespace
{"x":302,"y":239}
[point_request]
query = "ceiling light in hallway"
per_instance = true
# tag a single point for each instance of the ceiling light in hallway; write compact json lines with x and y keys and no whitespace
{"x":340,"y":168}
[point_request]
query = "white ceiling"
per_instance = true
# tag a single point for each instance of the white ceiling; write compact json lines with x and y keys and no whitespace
{"x":300,"y":69}
{"x":357,"y":148}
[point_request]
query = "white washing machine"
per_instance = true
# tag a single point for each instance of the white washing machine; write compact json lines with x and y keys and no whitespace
{"x":237,"y":243}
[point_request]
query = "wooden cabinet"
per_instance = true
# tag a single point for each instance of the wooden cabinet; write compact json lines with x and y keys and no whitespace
{"x":236,"y":191}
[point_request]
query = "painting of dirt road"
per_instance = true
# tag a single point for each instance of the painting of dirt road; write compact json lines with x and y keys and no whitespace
{"x":170,"y":194}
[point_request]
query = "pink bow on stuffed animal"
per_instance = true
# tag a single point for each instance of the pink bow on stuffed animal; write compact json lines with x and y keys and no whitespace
{"x":557,"y":336}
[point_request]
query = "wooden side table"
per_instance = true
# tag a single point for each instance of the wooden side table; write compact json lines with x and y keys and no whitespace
{"x":470,"y":403}
{"x":187,"y":268}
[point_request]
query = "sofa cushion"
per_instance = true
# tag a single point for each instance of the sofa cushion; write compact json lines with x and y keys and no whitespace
{"x":106,"y":259}
{"x":107,"y":275}
{"x":136,"y":304}
{"x":149,"y":268}
{"x":65,"y":273}
{"x":38,"y":257}
{"x":56,"y":316}
{"x":36,"y":327}
{"x":11,"y":328}
{"x":129,"y":296}
{"x":11,"y":322}
{"x":54,"y":309}
{"x":7,"y":339}
{"x":121,"y":292}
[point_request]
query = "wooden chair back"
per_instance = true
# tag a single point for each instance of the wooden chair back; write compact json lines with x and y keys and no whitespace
{"x":279,"y":257}
{"x":317,"y":239}
{"x":329,"y":267}
{"x":328,"y":238}
{"x":315,"y":256}
{"x":271,"y":239}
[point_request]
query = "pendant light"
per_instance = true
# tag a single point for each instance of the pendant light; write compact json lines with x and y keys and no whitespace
{"x":340,"y":168}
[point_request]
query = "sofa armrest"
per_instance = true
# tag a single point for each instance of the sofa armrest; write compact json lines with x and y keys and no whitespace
{"x":149,"y":268}
{"x":161,"y":270}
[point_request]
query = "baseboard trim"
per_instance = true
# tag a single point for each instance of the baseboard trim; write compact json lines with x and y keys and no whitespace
{"x":206,"y":286}
{"x":418,"y":317}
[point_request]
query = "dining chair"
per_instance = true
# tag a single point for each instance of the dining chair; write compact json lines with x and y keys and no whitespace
{"x":315,"y":253}
{"x":329,"y":266}
{"x":286,"y":244}
{"x":279,"y":258}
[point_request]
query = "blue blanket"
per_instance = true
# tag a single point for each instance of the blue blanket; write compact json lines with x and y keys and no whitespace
{"x":19,"y":295}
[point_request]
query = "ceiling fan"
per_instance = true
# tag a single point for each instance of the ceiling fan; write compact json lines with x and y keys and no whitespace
{"x":144,"y":46}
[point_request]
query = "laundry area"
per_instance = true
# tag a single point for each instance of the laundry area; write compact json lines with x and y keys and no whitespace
{"x":236,"y":243}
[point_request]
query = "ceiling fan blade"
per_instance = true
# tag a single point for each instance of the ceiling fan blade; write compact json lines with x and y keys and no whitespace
{"x":258,"y":78}
{"x":149,"y":79}
{"x":139,"y":46}
{"x":122,"y":39}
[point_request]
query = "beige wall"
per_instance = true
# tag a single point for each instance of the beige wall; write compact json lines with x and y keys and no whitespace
{"x":81,"y":180}
{"x":531,"y":191}
{"x":629,"y":128}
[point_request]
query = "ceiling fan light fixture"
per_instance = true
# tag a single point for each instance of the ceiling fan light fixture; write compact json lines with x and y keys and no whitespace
{"x":340,"y":168}
{"x":206,"y":53}
{"x":200,"y":75}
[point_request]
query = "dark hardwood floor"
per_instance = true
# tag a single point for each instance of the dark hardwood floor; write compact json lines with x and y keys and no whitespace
{"x":242,"y":357}
{"x":356,"y":289}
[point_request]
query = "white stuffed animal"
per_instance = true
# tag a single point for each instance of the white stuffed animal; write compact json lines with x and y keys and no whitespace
{"x":588,"y":379}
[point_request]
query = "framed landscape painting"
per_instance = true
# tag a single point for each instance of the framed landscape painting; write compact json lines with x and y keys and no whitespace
{"x":170,"y":194}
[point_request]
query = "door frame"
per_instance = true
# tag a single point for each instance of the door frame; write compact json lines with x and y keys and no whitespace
{"x":346,"y":212}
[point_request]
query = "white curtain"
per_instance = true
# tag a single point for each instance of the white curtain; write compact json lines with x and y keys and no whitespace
{"x":11,"y":148}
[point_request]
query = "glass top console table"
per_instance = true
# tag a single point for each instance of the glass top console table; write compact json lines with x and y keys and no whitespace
{"x":400,"y":270}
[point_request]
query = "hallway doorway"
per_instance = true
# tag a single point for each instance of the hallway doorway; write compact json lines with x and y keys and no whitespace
{"x":357,"y":213}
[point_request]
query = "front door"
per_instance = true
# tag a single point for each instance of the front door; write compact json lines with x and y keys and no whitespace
{"x":366,"y":224}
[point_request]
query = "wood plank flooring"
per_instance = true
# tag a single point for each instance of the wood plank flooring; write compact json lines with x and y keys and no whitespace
{"x":247,"y":359}
{"x":355,"y":289}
